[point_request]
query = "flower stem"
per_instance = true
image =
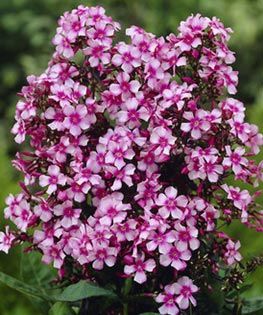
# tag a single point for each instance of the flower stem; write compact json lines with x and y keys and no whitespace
{"x":125,"y":309}
{"x":84,"y":307}
{"x":190,"y":310}
{"x":126,"y":291}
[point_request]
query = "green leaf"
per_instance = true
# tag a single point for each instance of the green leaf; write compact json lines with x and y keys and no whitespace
{"x":22,"y":287}
{"x":149,"y":314}
{"x":72,"y":293}
{"x":39,"y":275}
{"x":34,"y":272}
{"x":127,"y":286}
{"x":252,"y":305}
{"x":61,"y":308}
{"x":82,"y":290}
{"x":211,"y":302}
{"x":243,"y":289}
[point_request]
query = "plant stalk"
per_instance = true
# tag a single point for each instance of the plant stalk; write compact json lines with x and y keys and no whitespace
{"x":126,"y":291}
{"x":84,"y":307}
{"x":191,"y":310}
{"x":125,"y":309}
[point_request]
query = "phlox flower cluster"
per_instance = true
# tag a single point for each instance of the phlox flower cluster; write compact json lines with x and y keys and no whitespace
{"x":127,"y":148}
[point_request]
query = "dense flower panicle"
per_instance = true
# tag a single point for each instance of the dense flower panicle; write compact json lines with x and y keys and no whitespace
{"x":130,"y":146}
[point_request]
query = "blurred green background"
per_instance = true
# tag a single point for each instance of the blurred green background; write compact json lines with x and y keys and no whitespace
{"x":26,"y":28}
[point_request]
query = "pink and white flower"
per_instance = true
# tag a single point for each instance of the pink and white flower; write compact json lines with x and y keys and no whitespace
{"x":168,"y":299}
{"x":160,"y":239}
{"x":19,"y":130}
{"x":43,"y":211}
{"x":101,"y":255}
{"x":212,"y":169}
{"x":53,"y":254}
{"x":185,"y":289}
{"x":6,"y":240}
{"x":57,"y":116}
{"x":23,"y":216}
{"x":124,"y":87}
{"x":63,"y":46}
{"x":132,"y":114}
{"x":111,"y":209}
{"x":98,"y":52}
{"x":235,"y":159}
{"x":76,"y":119}
{"x":69,"y":215}
{"x":123,"y":175}
{"x":187,"y":235}
{"x":171,"y":204}
{"x":240,"y":198}
{"x":61,"y":93}
{"x":175,"y":255}
{"x":139,"y":267}
{"x":53,"y":179}
{"x":163,"y":141}
{"x":127,"y":57}
{"x":117,"y":154}
{"x":232,"y":254}
{"x":197,"y":123}
{"x":101,"y":32}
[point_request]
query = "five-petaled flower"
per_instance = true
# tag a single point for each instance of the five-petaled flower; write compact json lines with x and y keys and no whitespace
{"x":232,"y":254}
{"x":171,"y":204}
{"x":6,"y":240}
{"x":139,"y":267}
{"x":53,"y":178}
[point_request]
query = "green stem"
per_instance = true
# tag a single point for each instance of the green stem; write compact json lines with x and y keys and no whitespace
{"x":84,"y":307}
{"x":126,"y":291}
{"x":190,"y":309}
{"x":125,"y":309}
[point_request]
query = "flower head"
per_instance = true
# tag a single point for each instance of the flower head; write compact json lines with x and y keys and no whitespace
{"x":129,"y":149}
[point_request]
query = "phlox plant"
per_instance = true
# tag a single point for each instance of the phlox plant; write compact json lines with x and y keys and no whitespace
{"x":133,"y":155}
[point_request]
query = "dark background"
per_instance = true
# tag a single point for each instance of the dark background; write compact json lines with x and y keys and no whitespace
{"x":26,"y":30}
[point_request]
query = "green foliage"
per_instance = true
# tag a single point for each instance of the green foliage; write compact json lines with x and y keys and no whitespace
{"x":38,"y":275}
{"x":36,"y":283}
{"x":61,"y":308}
{"x":34,"y":272}
{"x":22,"y":287}
{"x":252,"y":305}
{"x":13,"y":303}
{"x":82,"y":290}
{"x":50,"y":301}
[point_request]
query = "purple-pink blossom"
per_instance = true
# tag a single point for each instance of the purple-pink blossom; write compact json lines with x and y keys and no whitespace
{"x":127,"y":159}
